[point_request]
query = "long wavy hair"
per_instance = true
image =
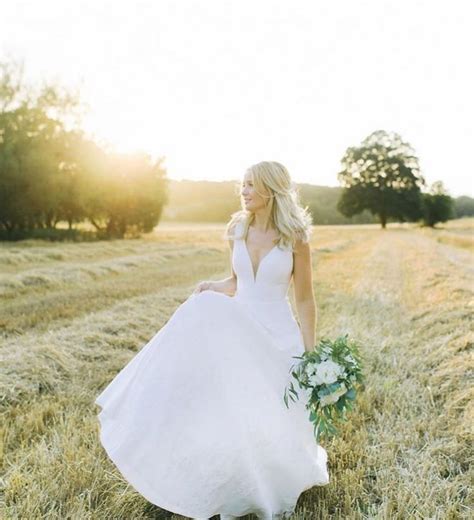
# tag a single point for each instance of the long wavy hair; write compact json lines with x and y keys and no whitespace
{"x":272,"y":181}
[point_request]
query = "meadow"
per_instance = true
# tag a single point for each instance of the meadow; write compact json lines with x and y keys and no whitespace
{"x":72,"y":315}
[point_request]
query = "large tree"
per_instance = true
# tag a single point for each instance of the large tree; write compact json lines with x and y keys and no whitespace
{"x":381,"y":175}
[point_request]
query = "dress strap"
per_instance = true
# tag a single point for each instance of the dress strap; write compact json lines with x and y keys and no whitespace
{"x":238,"y":231}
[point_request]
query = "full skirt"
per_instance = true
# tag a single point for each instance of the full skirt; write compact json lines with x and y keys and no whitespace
{"x":196,"y":421}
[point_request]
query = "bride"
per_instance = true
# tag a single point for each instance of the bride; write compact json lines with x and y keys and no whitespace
{"x":196,"y":421}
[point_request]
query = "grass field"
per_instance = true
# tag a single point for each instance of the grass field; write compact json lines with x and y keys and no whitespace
{"x":72,"y":315}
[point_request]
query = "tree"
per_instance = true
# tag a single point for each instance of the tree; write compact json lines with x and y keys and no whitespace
{"x":381,"y":175}
{"x":126,"y":192}
{"x":437,"y":205}
{"x":32,"y":149}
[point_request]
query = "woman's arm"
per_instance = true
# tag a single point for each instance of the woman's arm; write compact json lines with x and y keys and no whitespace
{"x":303,"y":290}
{"x":227,"y":285}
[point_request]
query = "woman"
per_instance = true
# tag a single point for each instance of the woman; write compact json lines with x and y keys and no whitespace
{"x":196,"y":421}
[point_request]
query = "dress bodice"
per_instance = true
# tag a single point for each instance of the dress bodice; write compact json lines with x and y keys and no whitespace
{"x":273,"y":275}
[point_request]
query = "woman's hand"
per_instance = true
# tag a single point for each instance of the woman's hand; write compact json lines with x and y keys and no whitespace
{"x":204,"y":286}
{"x":227,"y":286}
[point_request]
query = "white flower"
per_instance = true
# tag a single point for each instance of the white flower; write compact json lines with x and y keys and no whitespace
{"x":327,"y":372}
{"x":332,"y":398}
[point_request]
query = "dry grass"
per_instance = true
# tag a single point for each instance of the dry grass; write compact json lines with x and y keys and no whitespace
{"x":458,"y":233}
{"x":73,"y":315}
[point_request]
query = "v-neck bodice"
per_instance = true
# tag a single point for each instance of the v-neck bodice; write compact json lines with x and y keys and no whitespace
{"x":273,"y":275}
{"x":255,"y":271}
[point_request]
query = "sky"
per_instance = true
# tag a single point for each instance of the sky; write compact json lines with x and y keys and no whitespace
{"x":216,"y":86}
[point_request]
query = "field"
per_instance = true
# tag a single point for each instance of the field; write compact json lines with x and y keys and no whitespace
{"x":73,"y":314}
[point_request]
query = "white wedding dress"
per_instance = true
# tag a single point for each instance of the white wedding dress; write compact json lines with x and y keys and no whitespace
{"x":196,"y":421}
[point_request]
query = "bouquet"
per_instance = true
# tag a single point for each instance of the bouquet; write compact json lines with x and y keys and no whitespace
{"x":330,"y":373}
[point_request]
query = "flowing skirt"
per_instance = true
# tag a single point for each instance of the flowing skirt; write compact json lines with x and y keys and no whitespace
{"x":196,"y":421}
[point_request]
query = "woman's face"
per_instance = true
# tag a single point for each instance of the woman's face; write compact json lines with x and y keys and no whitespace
{"x":252,"y":200}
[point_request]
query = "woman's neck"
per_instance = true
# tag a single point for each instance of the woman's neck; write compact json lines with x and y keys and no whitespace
{"x":262,"y":222}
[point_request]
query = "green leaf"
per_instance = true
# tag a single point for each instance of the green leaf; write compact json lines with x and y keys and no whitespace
{"x":293,"y":391}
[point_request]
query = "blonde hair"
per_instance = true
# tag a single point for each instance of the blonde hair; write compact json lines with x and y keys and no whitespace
{"x":272,"y":181}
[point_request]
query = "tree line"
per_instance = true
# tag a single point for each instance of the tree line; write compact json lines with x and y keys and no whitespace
{"x":51,"y":173}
